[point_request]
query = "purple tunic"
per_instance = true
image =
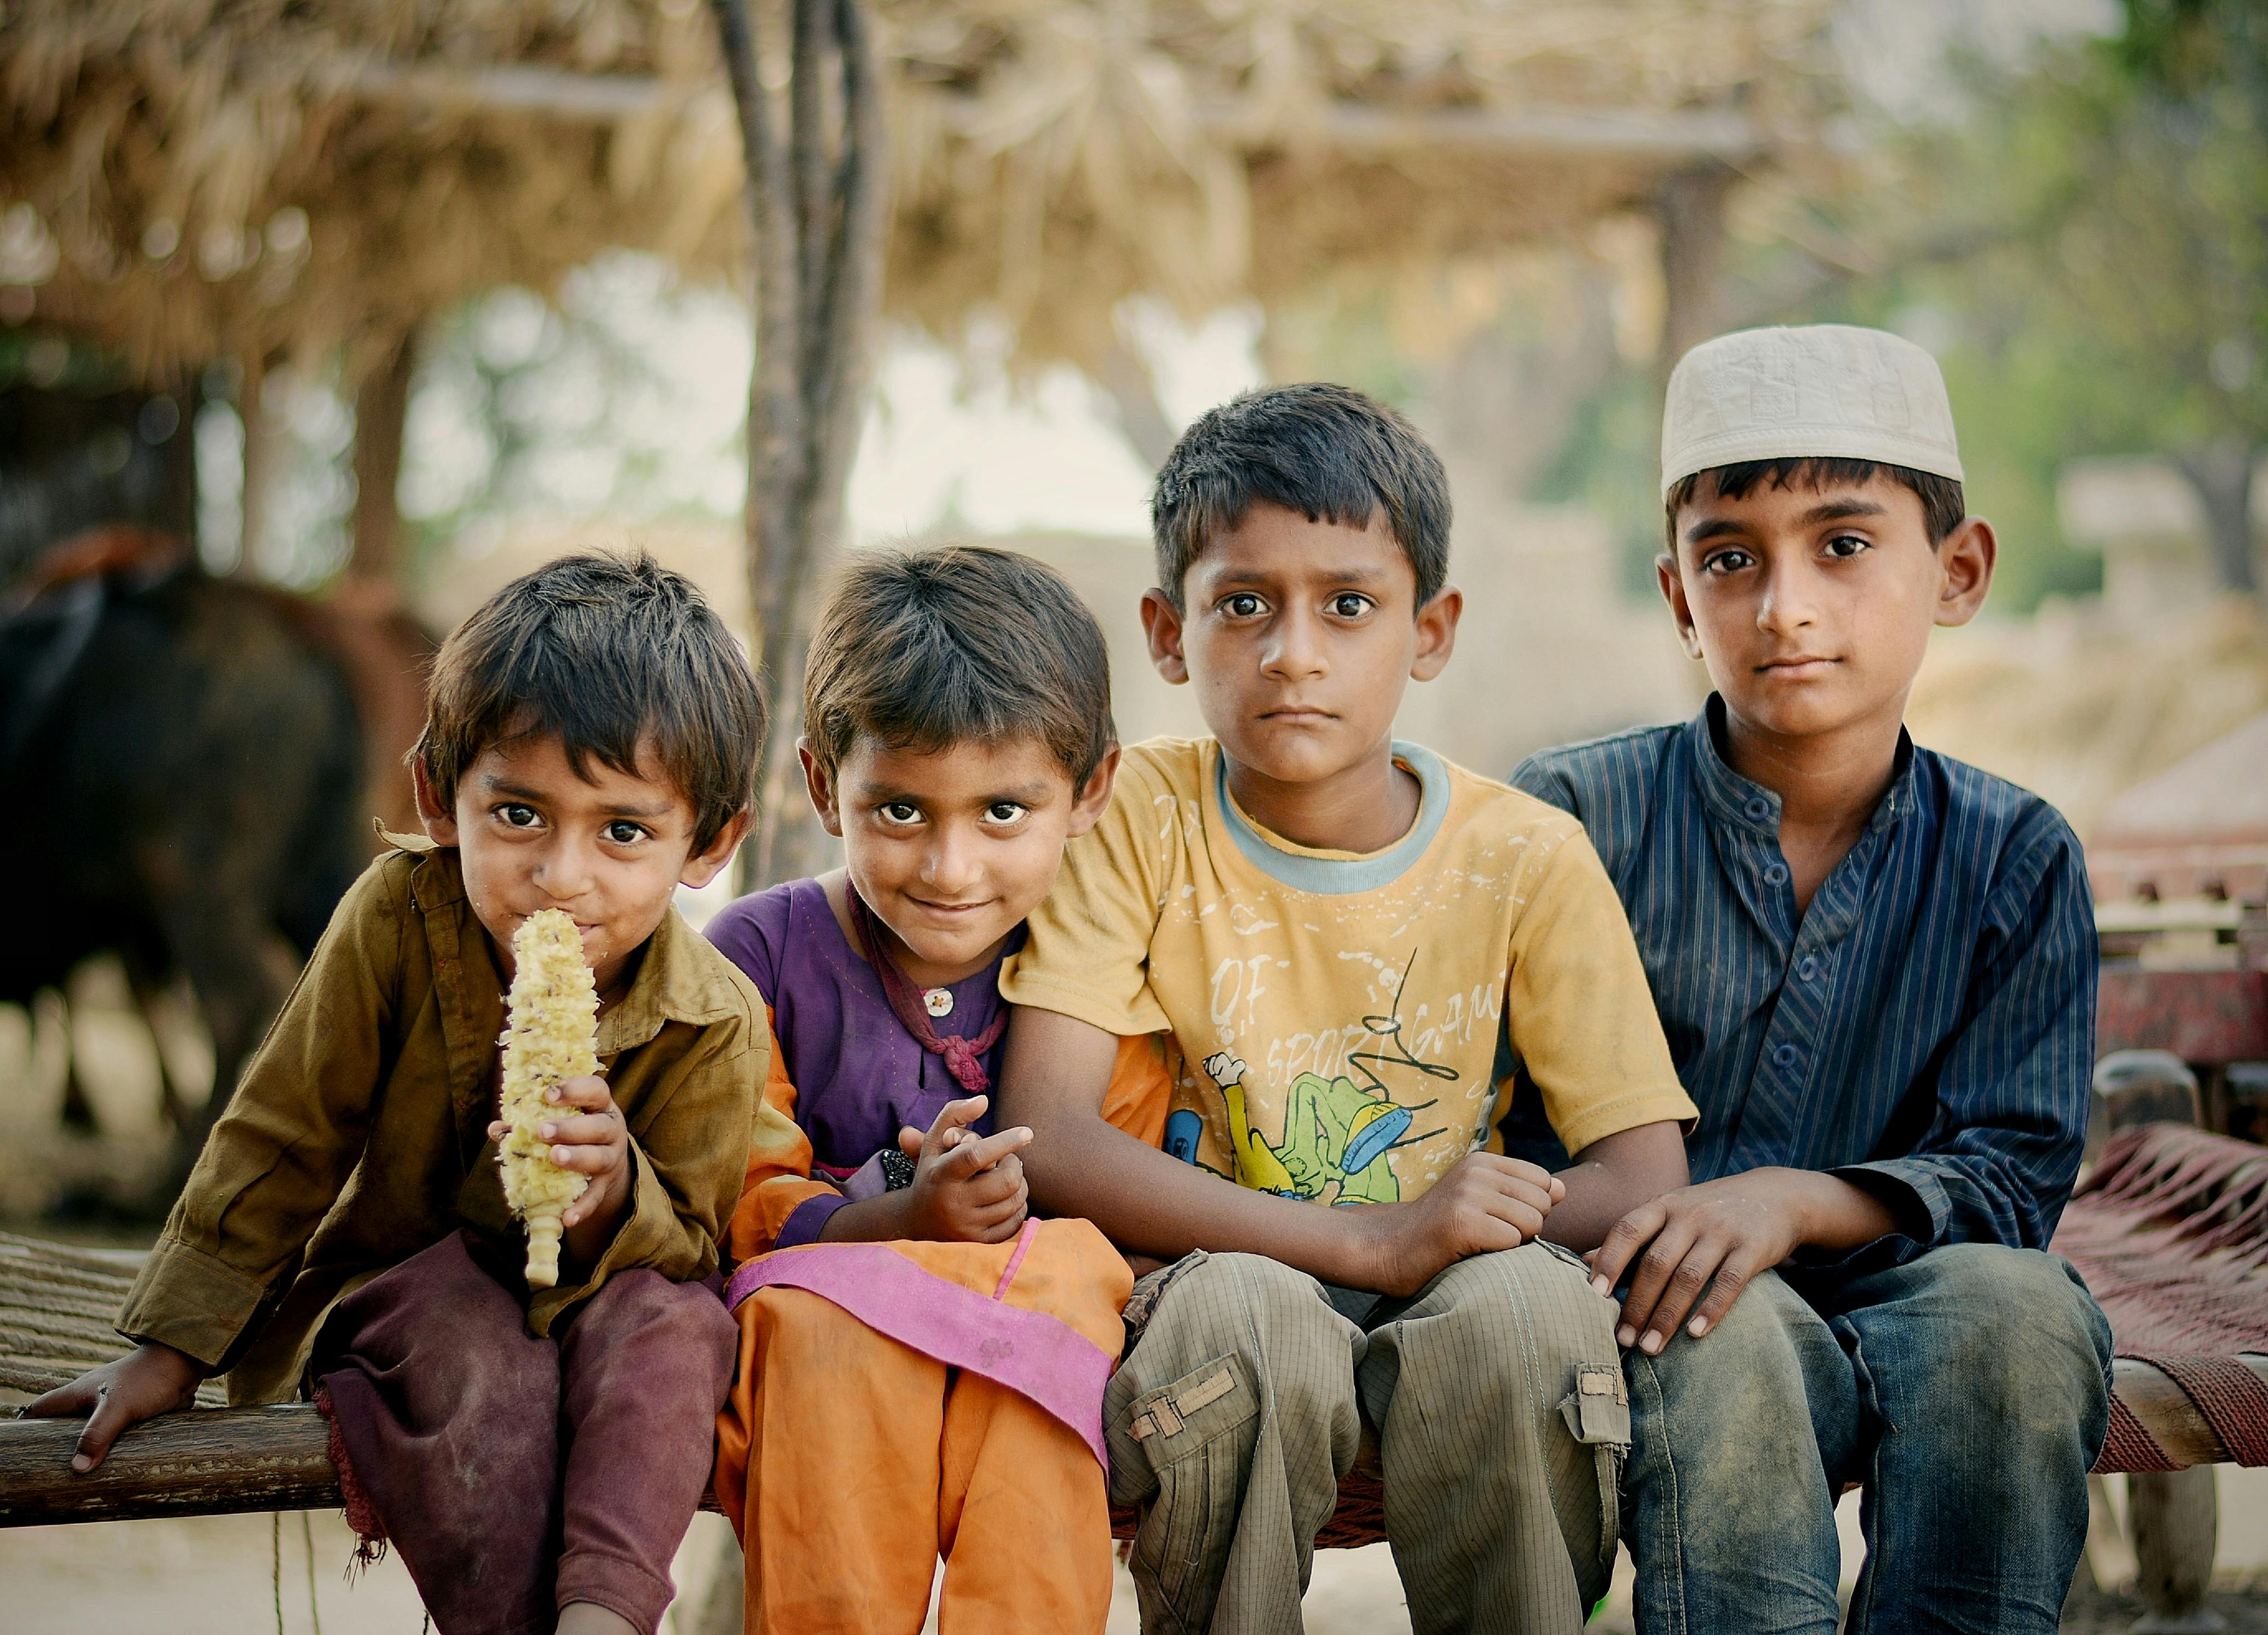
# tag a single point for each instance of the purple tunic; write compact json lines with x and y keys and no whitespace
{"x":858,"y":1075}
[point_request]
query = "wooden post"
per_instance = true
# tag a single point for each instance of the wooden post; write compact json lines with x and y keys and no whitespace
{"x":2140,"y":1087}
{"x":381,"y":405}
{"x":2175,"y":1518}
{"x":1691,"y":207}
{"x":817,"y":198}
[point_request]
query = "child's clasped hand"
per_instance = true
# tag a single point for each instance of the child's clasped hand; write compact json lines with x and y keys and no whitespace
{"x":1485,"y":1203}
{"x":967,"y":1188}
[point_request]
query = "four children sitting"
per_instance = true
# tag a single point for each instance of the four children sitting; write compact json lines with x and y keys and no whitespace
{"x":1687,"y":1118}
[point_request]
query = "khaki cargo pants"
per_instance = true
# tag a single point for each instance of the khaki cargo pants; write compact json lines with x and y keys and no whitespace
{"x":1496,"y":1398}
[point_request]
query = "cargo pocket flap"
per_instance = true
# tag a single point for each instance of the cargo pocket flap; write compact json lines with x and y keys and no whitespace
{"x":1597,"y":1410}
{"x":1209,"y":1399}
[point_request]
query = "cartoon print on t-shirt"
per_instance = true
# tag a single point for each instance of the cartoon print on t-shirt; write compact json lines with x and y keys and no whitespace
{"x":1338,"y":1135}
{"x":1336,"y":1139}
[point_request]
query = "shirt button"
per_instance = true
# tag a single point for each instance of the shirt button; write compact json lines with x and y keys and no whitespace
{"x":1787,"y":1056}
{"x":1808,"y":968}
{"x":1775,"y":873}
{"x":1758,"y":808}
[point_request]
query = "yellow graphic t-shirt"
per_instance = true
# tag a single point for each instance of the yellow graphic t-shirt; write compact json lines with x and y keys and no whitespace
{"x":1335,"y":1016}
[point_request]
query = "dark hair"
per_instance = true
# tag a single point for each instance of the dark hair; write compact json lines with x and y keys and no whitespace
{"x":605,"y":653}
{"x":1942,"y":503}
{"x":925,"y":649}
{"x":1328,"y":452}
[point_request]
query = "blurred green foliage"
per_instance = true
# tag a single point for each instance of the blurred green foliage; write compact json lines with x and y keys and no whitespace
{"x":2108,"y":217}
{"x":2084,"y":245}
{"x":622,"y":395}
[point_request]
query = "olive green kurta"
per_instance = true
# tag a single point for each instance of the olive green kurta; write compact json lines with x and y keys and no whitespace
{"x":358,"y":1133}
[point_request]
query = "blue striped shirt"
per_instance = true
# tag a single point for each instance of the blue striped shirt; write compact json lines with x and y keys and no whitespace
{"x":1925,"y":1030}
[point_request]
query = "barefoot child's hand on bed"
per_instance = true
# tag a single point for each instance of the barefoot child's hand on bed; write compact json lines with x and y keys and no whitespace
{"x":149,"y":1381}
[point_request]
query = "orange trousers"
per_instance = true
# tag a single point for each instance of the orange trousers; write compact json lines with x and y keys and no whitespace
{"x":849,"y":1463}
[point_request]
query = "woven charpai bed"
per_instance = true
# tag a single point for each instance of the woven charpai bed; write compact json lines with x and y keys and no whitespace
{"x":2170,"y":1231}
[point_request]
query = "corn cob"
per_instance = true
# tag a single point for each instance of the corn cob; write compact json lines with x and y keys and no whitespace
{"x":552,"y":1035}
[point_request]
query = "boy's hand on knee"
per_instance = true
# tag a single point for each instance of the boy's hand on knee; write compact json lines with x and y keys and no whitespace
{"x":968,"y":1188}
{"x":1485,"y":1203}
{"x":1717,"y":1237}
{"x":150,"y":1380}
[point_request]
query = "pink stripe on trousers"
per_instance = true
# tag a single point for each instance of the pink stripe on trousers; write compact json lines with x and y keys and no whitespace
{"x":1036,"y":1356}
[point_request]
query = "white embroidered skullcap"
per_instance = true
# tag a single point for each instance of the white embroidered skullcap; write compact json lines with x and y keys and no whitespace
{"x":1825,"y":389}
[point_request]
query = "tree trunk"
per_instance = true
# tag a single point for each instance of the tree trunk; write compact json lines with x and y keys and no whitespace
{"x":2221,"y":473}
{"x":381,"y":405}
{"x":263,"y":458}
{"x":817,"y":201}
{"x":1127,"y":394}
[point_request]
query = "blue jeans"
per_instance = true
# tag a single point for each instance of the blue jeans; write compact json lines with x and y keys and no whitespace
{"x":1967,"y":1391}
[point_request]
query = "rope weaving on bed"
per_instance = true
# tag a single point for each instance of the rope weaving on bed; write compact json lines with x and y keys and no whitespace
{"x":57,"y":1308}
{"x":2171,"y":1234}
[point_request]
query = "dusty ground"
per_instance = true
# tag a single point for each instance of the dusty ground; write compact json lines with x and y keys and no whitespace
{"x":240,"y":1575}
{"x":2091,"y":1612}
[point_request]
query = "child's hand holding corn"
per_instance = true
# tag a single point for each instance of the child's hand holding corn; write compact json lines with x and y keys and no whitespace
{"x":568,"y":1176}
{"x":590,"y":1137}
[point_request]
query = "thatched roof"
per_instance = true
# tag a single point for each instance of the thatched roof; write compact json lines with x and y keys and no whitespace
{"x":193,"y":178}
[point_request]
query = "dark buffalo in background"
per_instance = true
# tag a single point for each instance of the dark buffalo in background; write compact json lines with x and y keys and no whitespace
{"x":191,"y":762}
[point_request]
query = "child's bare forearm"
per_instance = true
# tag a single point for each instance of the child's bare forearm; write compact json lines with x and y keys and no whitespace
{"x":589,"y":1238}
{"x":882,"y":1219}
{"x":1053,"y":1078}
{"x":1611,"y":1177}
{"x":1838,"y":1217}
{"x":1149,"y":1202}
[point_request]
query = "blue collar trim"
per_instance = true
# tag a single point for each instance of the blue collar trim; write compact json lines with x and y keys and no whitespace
{"x":1343,"y":877}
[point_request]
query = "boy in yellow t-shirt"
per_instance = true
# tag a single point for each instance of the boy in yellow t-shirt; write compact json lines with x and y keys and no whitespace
{"x":1347,"y":945}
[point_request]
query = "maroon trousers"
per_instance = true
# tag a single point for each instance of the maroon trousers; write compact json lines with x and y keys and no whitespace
{"x":516,"y":1474}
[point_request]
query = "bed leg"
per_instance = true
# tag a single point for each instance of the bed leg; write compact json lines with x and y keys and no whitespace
{"x":2176,"y":1516}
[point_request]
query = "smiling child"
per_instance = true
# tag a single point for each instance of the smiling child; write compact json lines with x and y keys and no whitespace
{"x":590,"y":743}
{"x":921,"y":1363}
{"x":1877,"y":966}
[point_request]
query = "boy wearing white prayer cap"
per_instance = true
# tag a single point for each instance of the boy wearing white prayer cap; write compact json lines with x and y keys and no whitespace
{"x":1877,"y":968}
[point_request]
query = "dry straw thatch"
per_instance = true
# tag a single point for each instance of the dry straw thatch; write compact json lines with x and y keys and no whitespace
{"x":186,"y":180}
